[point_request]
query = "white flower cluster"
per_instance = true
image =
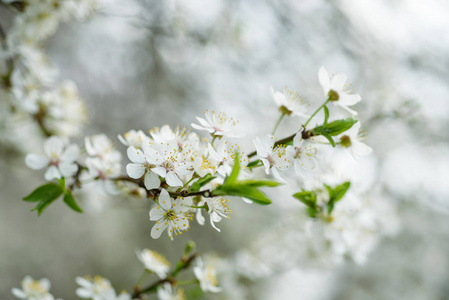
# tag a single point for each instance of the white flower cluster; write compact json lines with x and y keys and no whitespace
{"x":98,"y":288}
{"x":30,"y":80}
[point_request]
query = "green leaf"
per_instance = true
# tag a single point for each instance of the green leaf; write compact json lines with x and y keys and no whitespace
{"x":254,"y":163}
{"x":329,"y":138}
{"x":326,"y":114}
{"x":242,"y":190}
{"x":43,"y":205}
{"x":334,"y":128}
{"x":44,"y":192}
{"x":62,"y":183}
{"x":202,"y":182}
{"x":306,"y":197}
{"x":260,"y":183}
{"x":235,"y":170}
{"x":336,"y":194}
{"x":70,"y":201}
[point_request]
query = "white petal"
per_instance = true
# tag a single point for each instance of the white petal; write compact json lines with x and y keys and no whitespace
{"x":122,"y":140}
{"x":165,"y":200}
{"x":361,"y":149}
{"x":204,"y":123}
{"x":160,"y":171}
{"x":323,"y":78}
{"x":71,"y":153}
{"x":261,"y":151}
{"x":173,"y":180}
{"x":68,"y":169}
{"x":45,"y":283}
{"x":338,"y":82}
{"x":214,"y":217}
{"x":83,"y":293}
{"x":83,"y":282}
{"x":18,"y":293}
{"x":135,"y":155}
{"x":36,"y":161}
{"x":349,"y":100}
{"x":53,"y":145}
{"x":199,"y":217}
{"x":152,"y":181}
{"x":156,"y":213}
{"x":277,"y":175}
{"x":52,"y":173}
{"x":157,"y":229}
{"x":135,"y":170}
{"x":214,"y":154}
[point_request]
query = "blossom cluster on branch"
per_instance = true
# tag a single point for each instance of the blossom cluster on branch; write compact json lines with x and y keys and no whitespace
{"x":188,"y":173}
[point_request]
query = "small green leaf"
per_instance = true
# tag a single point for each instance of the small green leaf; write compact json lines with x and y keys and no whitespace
{"x":334,"y":128}
{"x":306,"y":197}
{"x":44,"y":192}
{"x":329,"y":138}
{"x":202,"y":182}
{"x":70,"y":201}
{"x":260,"y":183}
{"x":336,"y":194}
{"x":235,"y":170}
{"x":326,"y":114}
{"x":62,"y":183}
{"x":254,"y":163}
{"x":242,"y":190}
{"x":43,"y":205}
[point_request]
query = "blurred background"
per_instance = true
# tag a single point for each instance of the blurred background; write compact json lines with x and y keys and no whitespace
{"x":140,"y":64}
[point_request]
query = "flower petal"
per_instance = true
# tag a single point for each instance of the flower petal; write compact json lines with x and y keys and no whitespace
{"x":52,"y":173}
{"x":173,"y":180}
{"x":152,"y":181}
{"x":68,"y":169}
{"x":71,"y":153}
{"x":36,"y":161}
{"x":157,"y":229}
{"x":135,"y":170}
{"x":338,"y":82}
{"x":156,"y":213}
{"x":165,"y":200}
{"x":160,"y":171}
{"x":135,"y":155}
{"x":323,"y":78}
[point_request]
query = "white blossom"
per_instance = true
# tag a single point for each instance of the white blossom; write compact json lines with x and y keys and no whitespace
{"x":171,"y":214}
{"x":274,"y":158}
{"x":218,"y":209}
{"x":136,"y":138}
{"x":289,"y":102}
{"x":154,"y":262}
{"x":207,"y":276}
{"x":97,"y":288}
{"x":166,"y":292}
{"x":33,"y":289}
{"x":217,"y":124}
{"x":140,"y":166}
{"x":169,"y":162}
{"x":303,"y":155}
{"x":335,"y":88}
{"x":58,"y":157}
{"x":350,"y":140}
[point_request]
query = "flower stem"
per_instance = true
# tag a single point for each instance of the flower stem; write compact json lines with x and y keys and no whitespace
{"x":142,"y":278}
{"x":187,"y":282}
{"x":277,"y":124}
{"x":316,"y":111}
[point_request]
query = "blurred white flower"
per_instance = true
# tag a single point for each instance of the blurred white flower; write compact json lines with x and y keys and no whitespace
{"x":97,"y":288}
{"x":58,"y":157}
{"x":166,"y":292}
{"x":207,"y":276}
{"x":154,"y":262}
{"x":303,"y":155}
{"x":350,"y":140}
{"x":33,"y":289}
{"x":217,"y":124}
{"x":289,"y":102}
{"x":336,"y":89}
{"x":171,"y":214}
{"x":134,"y":138}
